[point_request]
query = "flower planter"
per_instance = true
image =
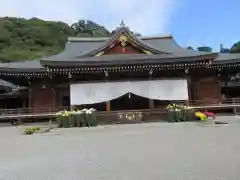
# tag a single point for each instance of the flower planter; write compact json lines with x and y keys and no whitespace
{"x":177,"y":116}
{"x":59,"y":120}
{"x":191,"y":115}
{"x":174,"y":116}
{"x":184,"y":115}
{"x":94,"y":119}
{"x":65,"y":121}
{"x":71,"y":120}
{"x":87,"y":120}
{"x":180,"y":115}
{"x":170,"y":116}
{"x":78,"y":118}
{"x":177,"y":113}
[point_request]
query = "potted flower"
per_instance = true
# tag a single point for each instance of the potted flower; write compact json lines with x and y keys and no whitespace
{"x":77,"y":118}
{"x":177,"y":113}
{"x":173,"y":113}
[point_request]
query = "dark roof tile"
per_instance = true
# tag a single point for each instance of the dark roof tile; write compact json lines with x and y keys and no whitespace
{"x":25,"y":66}
{"x":227,"y":58}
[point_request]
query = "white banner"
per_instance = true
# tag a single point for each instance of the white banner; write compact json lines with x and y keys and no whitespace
{"x":92,"y":93}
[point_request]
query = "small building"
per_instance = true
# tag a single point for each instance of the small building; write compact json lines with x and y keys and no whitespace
{"x":122,"y":72}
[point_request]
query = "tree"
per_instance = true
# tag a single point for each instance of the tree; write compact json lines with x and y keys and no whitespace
{"x":224,"y":50}
{"x":88,"y":28}
{"x":235,"y":48}
{"x":190,"y":48}
{"x":24,"y":39}
{"x":79,"y":26}
{"x":134,"y":33}
{"x":205,"y":49}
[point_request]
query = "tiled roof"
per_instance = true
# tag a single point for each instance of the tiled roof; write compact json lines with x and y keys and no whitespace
{"x":225,"y":58}
{"x":26,"y":66}
{"x":123,"y":59}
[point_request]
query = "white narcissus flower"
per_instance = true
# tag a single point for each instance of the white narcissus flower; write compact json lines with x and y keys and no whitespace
{"x":88,"y":112}
{"x":82,"y":111}
{"x":92,"y":109}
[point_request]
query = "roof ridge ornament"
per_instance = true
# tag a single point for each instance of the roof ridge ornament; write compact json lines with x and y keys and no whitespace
{"x":123,"y":40}
{"x":122,"y":24}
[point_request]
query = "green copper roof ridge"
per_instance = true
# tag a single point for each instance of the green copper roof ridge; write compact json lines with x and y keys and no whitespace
{"x":96,"y":39}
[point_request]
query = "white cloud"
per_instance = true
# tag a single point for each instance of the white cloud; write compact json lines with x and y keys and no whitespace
{"x":144,"y":16}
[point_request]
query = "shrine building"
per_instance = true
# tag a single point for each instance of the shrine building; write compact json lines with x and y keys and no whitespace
{"x":121,"y":72}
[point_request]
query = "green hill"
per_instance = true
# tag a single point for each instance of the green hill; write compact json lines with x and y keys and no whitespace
{"x":22,"y":39}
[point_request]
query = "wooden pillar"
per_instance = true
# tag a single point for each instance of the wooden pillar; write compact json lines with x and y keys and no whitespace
{"x":189,"y":87}
{"x":108,"y":103}
{"x":108,"y":106}
{"x":54,"y":99}
{"x":151,"y":101}
{"x":219,"y":88}
{"x":29,"y":95}
{"x":151,"y":104}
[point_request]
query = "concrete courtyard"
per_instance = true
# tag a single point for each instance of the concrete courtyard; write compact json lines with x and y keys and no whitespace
{"x":157,"y":151}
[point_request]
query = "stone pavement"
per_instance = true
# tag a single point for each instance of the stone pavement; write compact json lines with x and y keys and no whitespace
{"x":157,"y":151}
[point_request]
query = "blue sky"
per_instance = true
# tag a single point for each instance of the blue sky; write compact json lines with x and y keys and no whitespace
{"x":206,"y":23}
{"x":191,"y":22}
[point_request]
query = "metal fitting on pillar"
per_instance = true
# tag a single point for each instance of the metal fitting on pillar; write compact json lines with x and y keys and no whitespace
{"x":106,"y":73}
{"x":151,"y":71}
{"x":69,"y":75}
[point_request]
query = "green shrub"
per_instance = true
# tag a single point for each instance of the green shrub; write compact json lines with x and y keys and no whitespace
{"x":31,"y":130}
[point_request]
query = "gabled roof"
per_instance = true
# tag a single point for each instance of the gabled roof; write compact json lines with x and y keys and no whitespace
{"x":126,"y":33}
{"x":163,"y":43}
{"x":80,"y":51}
{"x":85,"y":47}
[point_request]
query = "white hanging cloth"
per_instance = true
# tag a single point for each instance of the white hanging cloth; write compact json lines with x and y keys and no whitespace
{"x":92,"y":93}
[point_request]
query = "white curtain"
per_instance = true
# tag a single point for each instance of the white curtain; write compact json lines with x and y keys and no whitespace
{"x":91,"y":93}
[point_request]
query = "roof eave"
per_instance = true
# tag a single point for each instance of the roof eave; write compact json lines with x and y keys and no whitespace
{"x":227,"y":61}
{"x":21,"y":70}
{"x":74,"y":64}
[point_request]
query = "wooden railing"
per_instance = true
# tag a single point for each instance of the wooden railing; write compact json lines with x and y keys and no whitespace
{"x":29,"y":112}
{"x":209,"y":105}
